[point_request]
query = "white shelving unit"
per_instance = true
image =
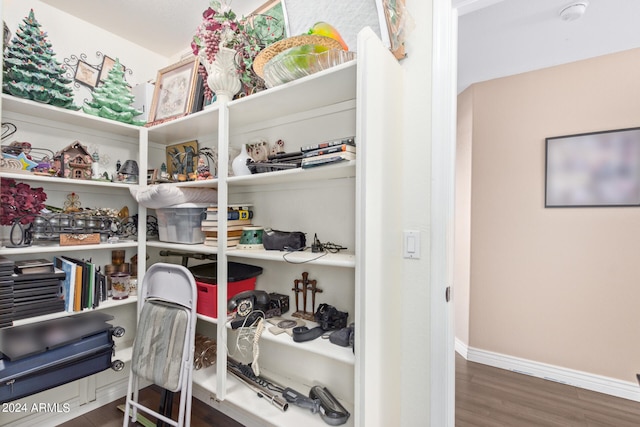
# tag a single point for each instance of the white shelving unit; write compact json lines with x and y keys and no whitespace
{"x":341,"y":203}
{"x":303,"y":112}
{"x":54,"y":128}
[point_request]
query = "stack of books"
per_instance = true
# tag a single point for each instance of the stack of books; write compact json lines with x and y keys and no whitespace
{"x":238,"y":217}
{"x":37,"y":288}
{"x":84,"y":285}
{"x":6,"y":292}
{"x":330,"y":152}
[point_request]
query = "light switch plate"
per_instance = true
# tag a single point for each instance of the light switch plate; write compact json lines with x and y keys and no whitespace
{"x":411,"y":244}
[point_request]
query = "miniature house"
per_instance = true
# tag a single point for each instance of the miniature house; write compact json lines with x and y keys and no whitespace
{"x":73,"y":161}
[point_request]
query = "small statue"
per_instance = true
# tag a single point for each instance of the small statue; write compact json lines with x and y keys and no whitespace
{"x":94,"y":166}
{"x":203,"y":170}
{"x":72,"y":203}
{"x":164,"y":175}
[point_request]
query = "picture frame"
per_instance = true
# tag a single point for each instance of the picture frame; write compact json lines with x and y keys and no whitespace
{"x":385,"y":17}
{"x":107,"y":65}
{"x":175,"y":90}
{"x":595,"y":169}
{"x":86,"y":75}
{"x":182,"y":160}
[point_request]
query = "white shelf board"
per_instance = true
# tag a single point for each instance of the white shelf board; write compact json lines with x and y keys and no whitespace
{"x":319,"y":346}
{"x":195,"y":126}
{"x":53,"y":248}
{"x":124,"y":354}
{"x":243,"y":399}
{"x":105,"y":305}
{"x":204,"y":183}
{"x":331,"y":86}
{"x":182,"y":247}
{"x":50,"y":180}
{"x":343,"y":259}
{"x":206,"y":378}
{"x":207,"y":318}
{"x":319,"y":173}
{"x":69,"y":117}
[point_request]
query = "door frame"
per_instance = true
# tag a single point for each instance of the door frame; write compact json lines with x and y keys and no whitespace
{"x":443,"y":141}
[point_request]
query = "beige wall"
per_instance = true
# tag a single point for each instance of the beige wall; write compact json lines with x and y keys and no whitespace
{"x":557,"y":286}
{"x":462,"y":233}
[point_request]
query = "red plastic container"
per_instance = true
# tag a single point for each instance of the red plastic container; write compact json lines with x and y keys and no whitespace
{"x":208,"y":295}
{"x":240,"y":277}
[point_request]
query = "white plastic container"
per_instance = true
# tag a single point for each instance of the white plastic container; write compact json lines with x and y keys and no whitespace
{"x":182,"y":223}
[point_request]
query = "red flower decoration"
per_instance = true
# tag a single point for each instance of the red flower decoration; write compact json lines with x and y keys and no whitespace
{"x":21,"y":201}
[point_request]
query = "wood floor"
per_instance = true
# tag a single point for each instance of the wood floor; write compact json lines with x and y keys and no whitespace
{"x":492,"y":397}
{"x":485,"y":397}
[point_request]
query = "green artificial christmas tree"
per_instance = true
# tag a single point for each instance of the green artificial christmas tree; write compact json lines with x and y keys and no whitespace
{"x":113,"y":99}
{"x":30,"y":71}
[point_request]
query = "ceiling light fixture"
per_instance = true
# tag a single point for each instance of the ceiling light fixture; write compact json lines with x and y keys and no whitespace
{"x":573,"y":11}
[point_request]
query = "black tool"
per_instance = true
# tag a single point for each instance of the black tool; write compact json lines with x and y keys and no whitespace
{"x":331,"y":411}
{"x":299,"y":399}
{"x":302,"y":333}
{"x":316,"y":246}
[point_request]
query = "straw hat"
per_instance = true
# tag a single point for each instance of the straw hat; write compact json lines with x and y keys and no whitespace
{"x":270,"y":51}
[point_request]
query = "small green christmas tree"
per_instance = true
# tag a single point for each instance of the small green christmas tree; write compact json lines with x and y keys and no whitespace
{"x":113,"y":99}
{"x":30,"y":71}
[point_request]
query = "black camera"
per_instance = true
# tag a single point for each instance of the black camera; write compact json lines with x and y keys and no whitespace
{"x":330,"y":318}
{"x":278,"y":305}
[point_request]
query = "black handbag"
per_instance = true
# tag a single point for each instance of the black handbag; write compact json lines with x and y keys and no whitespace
{"x":283,"y":240}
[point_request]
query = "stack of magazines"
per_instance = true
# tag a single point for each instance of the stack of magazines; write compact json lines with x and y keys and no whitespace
{"x":6,"y":292}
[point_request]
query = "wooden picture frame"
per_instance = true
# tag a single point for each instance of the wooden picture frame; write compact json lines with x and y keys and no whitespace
{"x":182,"y":160}
{"x":86,"y":75}
{"x":175,"y":90}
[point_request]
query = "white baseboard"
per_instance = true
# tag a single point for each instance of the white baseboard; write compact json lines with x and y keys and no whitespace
{"x":580,"y":379}
{"x":462,"y":348}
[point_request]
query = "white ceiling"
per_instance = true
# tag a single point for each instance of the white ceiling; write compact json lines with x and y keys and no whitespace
{"x":513,"y":36}
{"x":496,"y":37}
{"x":165,"y":27}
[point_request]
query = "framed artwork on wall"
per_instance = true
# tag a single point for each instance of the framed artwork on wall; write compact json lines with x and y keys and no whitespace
{"x":175,"y":90}
{"x":593,"y":169}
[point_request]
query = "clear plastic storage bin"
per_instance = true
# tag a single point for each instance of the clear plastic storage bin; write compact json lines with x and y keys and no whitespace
{"x":181,"y":223}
